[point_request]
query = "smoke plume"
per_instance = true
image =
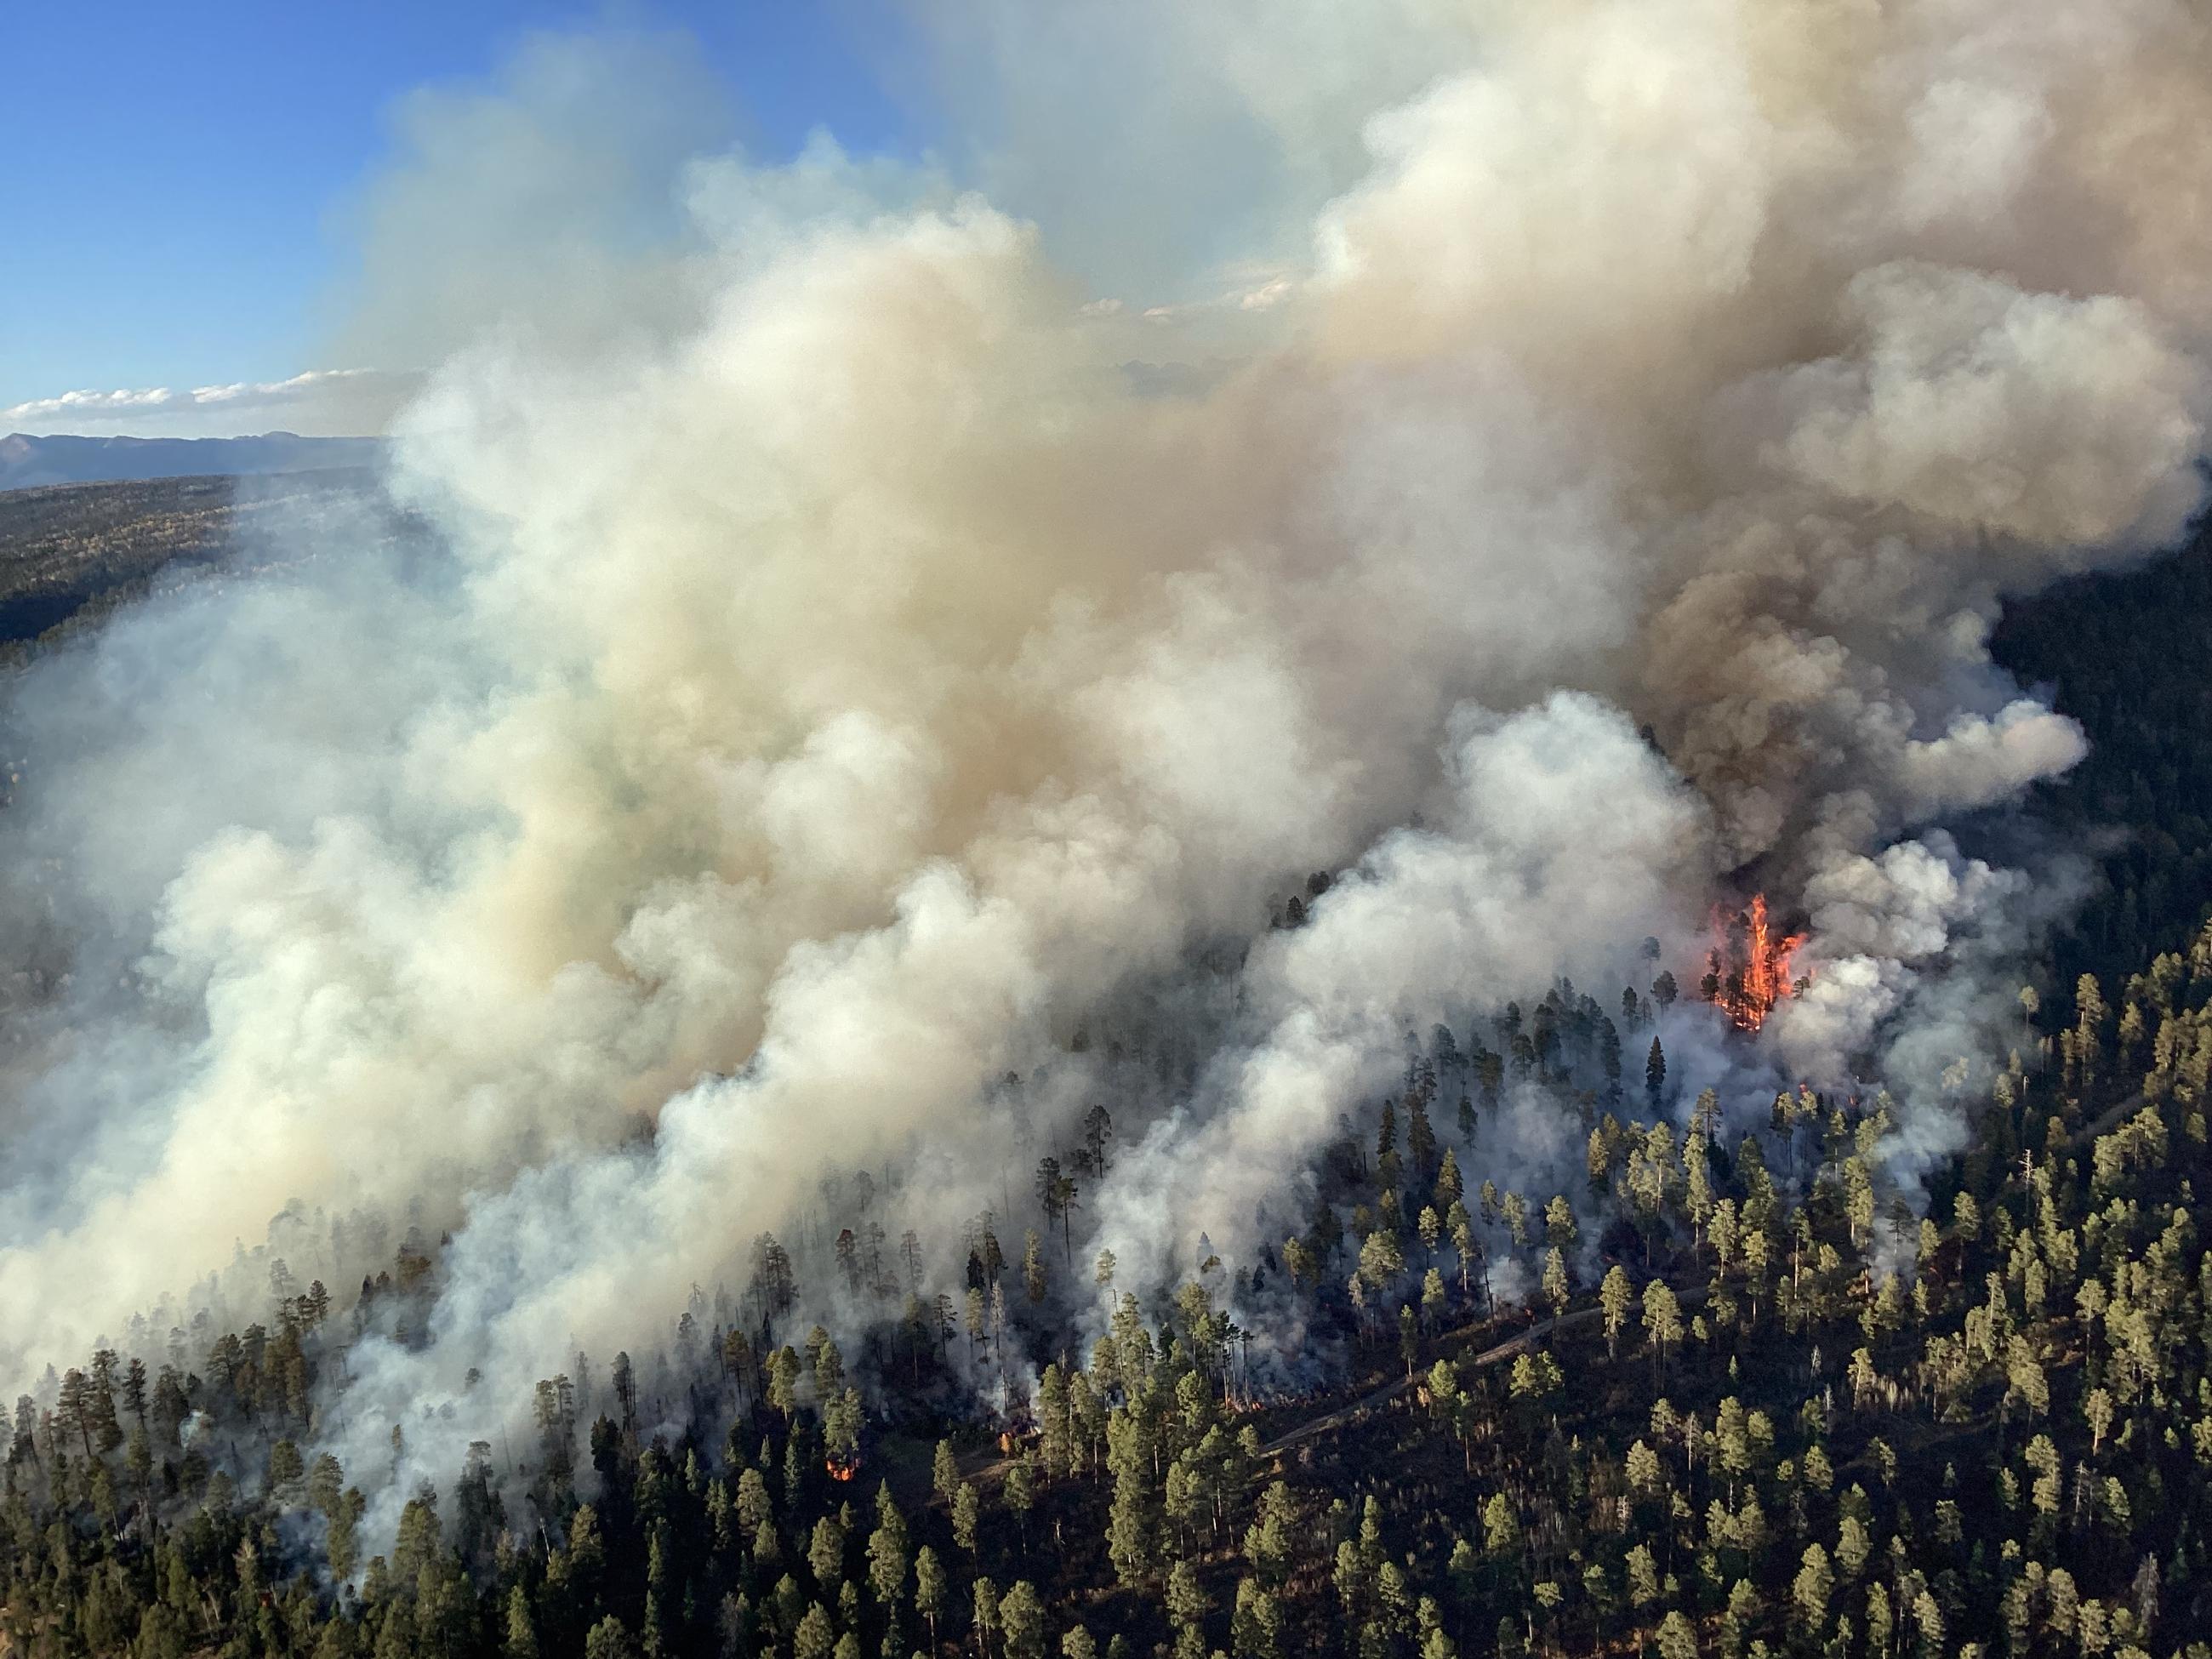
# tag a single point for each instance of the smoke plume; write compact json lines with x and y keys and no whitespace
{"x":883,"y":626}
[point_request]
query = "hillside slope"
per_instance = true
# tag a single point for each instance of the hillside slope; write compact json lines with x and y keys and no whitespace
{"x":68,"y":546}
{"x":27,"y":462}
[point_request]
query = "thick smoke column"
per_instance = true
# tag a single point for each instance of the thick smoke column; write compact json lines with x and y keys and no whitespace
{"x":874,"y":641}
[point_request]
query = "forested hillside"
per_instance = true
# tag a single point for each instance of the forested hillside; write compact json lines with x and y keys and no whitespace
{"x":1774,"y":1405}
{"x":27,"y":462}
{"x":2124,"y":653}
{"x":67,"y":547}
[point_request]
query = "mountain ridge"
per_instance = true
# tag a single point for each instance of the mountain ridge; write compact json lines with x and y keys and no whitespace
{"x":27,"y":461}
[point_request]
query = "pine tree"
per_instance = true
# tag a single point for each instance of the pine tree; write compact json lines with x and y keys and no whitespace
{"x":1662,"y":1318}
{"x":521,"y":1639}
{"x":1021,"y":1615}
{"x":1615,"y":1296}
{"x":930,"y":1588}
{"x":1557,"y":1290}
{"x":1018,"y":1490}
{"x":887,"y":1561}
{"x":966,"y":1516}
{"x":1033,"y":1268}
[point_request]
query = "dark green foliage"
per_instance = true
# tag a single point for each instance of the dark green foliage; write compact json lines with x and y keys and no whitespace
{"x":2124,"y":654}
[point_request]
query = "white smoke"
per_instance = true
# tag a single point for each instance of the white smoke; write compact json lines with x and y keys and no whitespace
{"x":1559,"y":837}
{"x":869,"y":640}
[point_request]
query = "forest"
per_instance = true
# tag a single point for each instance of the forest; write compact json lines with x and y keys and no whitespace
{"x":71,"y":553}
{"x":1776,"y":1405}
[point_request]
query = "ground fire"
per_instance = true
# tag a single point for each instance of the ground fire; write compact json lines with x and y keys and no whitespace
{"x":1748,"y":971}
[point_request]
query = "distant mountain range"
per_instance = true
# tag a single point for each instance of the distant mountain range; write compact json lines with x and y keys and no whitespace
{"x":26,"y":461}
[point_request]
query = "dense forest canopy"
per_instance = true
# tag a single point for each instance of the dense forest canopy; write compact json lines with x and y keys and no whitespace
{"x":2111,"y":649}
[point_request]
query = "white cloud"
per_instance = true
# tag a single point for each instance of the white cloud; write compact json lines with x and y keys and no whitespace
{"x":321,"y":401}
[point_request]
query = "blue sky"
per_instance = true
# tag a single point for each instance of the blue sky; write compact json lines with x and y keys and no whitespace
{"x":174,"y":210}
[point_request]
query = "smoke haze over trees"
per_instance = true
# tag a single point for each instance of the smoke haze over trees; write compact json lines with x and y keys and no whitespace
{"x":918,"y":656}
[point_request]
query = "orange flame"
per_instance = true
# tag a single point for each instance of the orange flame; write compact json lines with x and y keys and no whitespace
{"x":1749,"y":968}
{"x":841,"y":1468}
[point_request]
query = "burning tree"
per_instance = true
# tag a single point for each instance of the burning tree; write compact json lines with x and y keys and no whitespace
{"x":1748,"y":971}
